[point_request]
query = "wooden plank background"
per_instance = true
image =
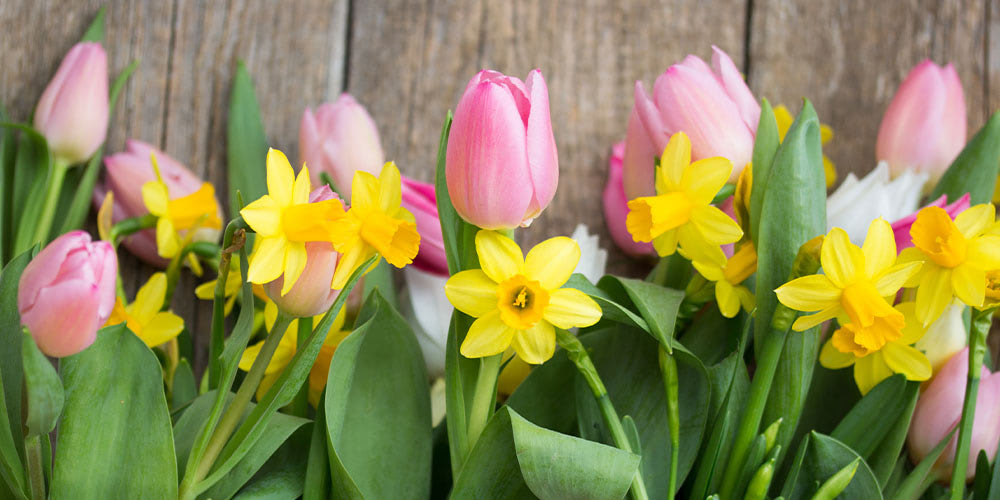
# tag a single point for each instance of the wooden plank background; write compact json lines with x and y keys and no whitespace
{"x":408,"y":61}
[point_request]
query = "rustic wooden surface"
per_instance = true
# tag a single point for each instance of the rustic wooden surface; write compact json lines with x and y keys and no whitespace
{"x":408,"y":60}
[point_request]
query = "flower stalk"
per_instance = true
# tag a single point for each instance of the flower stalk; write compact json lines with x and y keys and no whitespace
{"x":484,"y":397}
{"x":36,"y":470}
{"x":979,"y":329}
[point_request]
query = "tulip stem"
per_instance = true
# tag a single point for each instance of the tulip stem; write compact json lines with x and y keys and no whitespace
{"x":36,"y":471}
{"x":243,"y":396}
{"x":53,"y":190}
{"x":577,"y":353}
{"x":484,"y":398}
{"x":981,"y":321}
{"x":300,"y":405}
{"x":668,"y":369}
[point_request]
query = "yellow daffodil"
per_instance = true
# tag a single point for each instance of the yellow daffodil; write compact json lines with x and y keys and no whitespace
{"x":287,"y":348}
{"x":144,"y":316}
{"x":206,"y":290}
{"x":741,"y":199}
{"x":729,"y":290}
{"x":517,"y":300}
{"x":284,"y":221}
{"x":198,"y":210}
{"x":854,"y":287}
{"x":512,"y":374}
{"x":681,"y":214}
{"x":956,"y":255}
{"x":376,"y":222}
{"x":896,"y":356}
{"x":785,"y":120}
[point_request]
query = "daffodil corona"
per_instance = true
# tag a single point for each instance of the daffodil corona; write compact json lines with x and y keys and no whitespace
{"x":518,"y":300}
{"x":681,"y":215}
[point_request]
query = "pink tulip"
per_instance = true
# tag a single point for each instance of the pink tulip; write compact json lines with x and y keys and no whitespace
{"x":502,"y":165}
{"x":901,"y":228}
{"x":339,"y":139}
{"x":924,"y":127}
{"x":420,"y":200}
{"x":939,"y":410}
{"x":67,"y":292}
{"x":712,"y":105}
{"x":311,"y":293}
{"x":126,"y":173}
{"x":616,"y":208}
{"x":73,"y":111}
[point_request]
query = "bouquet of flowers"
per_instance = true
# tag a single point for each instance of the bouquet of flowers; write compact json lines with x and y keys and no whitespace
{"x":786,"y":343}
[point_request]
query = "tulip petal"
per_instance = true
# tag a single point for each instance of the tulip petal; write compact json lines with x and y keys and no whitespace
{"x":571,"y":308}
{"x":904,"y":359}
{"x":543,"y":158}
{"x":499,"y":256}
{"x":487,"y":336}
{"x":736,"y":87}
{"x":638,"y":161}
{"x":64,"y":319}
{"x":552,"y":261}
{"x":263,"y":216}
{"x":472,"y":292}
{"x":280,"y":177}
{"x":536,"y":344}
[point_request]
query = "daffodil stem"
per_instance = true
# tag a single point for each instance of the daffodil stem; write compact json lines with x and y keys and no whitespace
{"x":981,"y":321}
{"x":36,"y":470}
{"x":232,"y":241}
{"x":235,"y":411}
{"x":43,"y":225}
{"x":484,"y":398}
{"x":577,"y":353}
{"x":300,"y":405}
{"x":668,"y":368}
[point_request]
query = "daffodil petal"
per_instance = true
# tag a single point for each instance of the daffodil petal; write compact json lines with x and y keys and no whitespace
{"x":676,"y":158}
{"x":804,"y":323}
{"x":975,"y":220}
{"x":895,"y":277}
{"x":390,"y":192}
{"x":984,"y":252}
{"x":666,"y":243}
{"x":499,"y":256}
{"x":536,"y":344}
{"x":149,"y":299}
{"x":809,"y":293}
{"x":263,"y":215}
{"x":487,"y":336}
{"x":569,"y":308}
{"x":364,"y":191}
{"x":879,"y":247}
{"x":830,"y":357}
{"x":910,"y":362}
{"x":869,"y":371}
{"x":912,"y":254}
{"x":155,"y":197}
{"x":727,"y":299}
{"x":552,"y":261}
{"x":714,"y":225}
{"x":302,"y":187}
{"x":841,"y":260}
{"x":969,"y":284}
{"x":167,"y":243}
{"x":280,"y":177}
{"x":206,"y":290}
{"x":353,"y":256}
{"x":250,"y":355}
{"x":161,"y":328}
{"x":710,"y":271}
{"x":913,"y":330}
{"x":933,"y":294}
{"x":704,"y":178}
{"x":268,"y":260}
{"x":694,"y":247}
{"x":295,"y":263}
{"x":472,"y":292}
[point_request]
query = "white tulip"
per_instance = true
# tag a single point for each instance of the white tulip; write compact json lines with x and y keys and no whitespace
{"x":857,"y":202}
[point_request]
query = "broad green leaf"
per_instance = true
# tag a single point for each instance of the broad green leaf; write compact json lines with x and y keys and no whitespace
{"x":381,"y":279}
{"x":246,"y":142}
{"x":712,"y":337}
{"x":863,"y":428}
{"x":95,"y":33}
{"x":792,"y":381}
{"x":378,"y":418}
{"x":115,"y":415}
{"x":8,"y":156}
{"x":914,"y":484}
{"x":818,"y":459}
{"x":657,"y":305}
{"x":610,"y":309}
{"x":981,"y":485}
{"x":545,"y":396}
{"x":832,"y":394}
{"x":317,"y":478}
{"x":43,"y":389}
{"x":12,"y":480}
{"x":765,"y":146}
{"x":492,"y":470}
{"x":673,"y":271}
{"x":32,"y":169}
{"x":10,"y":356}
{"x":975,"y":169}
{"x":282,"y":477}
{"x":184,"y":387}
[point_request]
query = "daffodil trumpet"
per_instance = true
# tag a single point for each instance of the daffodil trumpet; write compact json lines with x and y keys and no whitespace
{"x":982,"y":319}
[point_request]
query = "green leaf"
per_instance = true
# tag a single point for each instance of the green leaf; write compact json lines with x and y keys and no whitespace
{"x":792,"y":380}
{"x":246,"y":143}
{"x":185,"y":387}
{"x":730,"y":385}
{"x":713,"y":337}
{"x":317,"y":478}
{"x":43,"y":388}
{"x":116,"y":415}
{"x":975,"y":169}
{"x":765,"y":147}
{"x":875,"y":415}
{"x":95,"y":33}
{"x":381,"y":279}
{"x":981,"y":487}
{"x":459,"y":236}
{"x":994,"y":493}
{"x":820,"y":457}
{"x":378,"y":419}
{"x":657,"y":305}
{"x":10,"y":356}
{"x":11,"y":469}
{"x":32,"y":169}
{"x":611,"y":310}
{"x":914,"y":485}
{"x":8,"y":156}
{"x":544,"y":396}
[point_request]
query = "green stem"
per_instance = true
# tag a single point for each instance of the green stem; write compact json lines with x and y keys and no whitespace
{"x":300,"y":405}
{"x":52,"y":192}
{"x":668,"y":368}
{"x":484,"y":398}
{"x":577,"y":353}
{"x":232,"y":242}
{"x":760,"y":388}
{"x":243,"y":396}
{"x":126,"y":227}
{"x":981,"y":321}
{"x":36,"y":469}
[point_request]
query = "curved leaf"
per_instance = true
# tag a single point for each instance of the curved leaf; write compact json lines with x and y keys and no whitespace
{"x":819,"y":458}
{"x":975,"y":169}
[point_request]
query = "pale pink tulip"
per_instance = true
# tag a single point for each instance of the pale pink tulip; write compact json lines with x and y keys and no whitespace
{"x":66,"y":293}
{"x":924,"y":127}
{"x":616,"y":208}
{"x":712,"y":105}
{"x":420,"y":200}
{"x":72,"y":113}
{"x":939,"y":410}
{"x":311,"y":293}
{"x":901,"y":228}
{"x":502,"y":164}
{"x":340,"y":139}
{"x":126,"y":173}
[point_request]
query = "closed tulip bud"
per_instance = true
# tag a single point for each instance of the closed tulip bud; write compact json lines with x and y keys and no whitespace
{"x":72,"y":113}
{"x":924,"y":127}
{"x":712,"y":105}
{"x":939,"y":410}
{"x":616,"y":208}
{"x":502,"y":165}
{"x":420,"y":200}
{"x":67,"y":292}
{"x":126,"y":173}
{"x":340,"y":138}
{"x":311,"y":294}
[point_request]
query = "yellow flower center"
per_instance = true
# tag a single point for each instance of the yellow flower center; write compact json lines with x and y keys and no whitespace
{"x":937,"y":236}
{"x":521,"y":302}
{"x":741,"y":265}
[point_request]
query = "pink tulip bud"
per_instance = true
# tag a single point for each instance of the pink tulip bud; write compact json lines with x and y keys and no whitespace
{"x":924,"y":127}
{"x":939,"y":410}
{"x":340,"y":139}
{"x":502,"y":165}
{"x":901,"y":228}
{"x":712,"y":105}
{"x":73,"y":111}
{"x":67,"y":292}
{"x":126,"y":173}
{"x":311,"y":293}
{"x":420,"y":200}
{"x":616,"y":208}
